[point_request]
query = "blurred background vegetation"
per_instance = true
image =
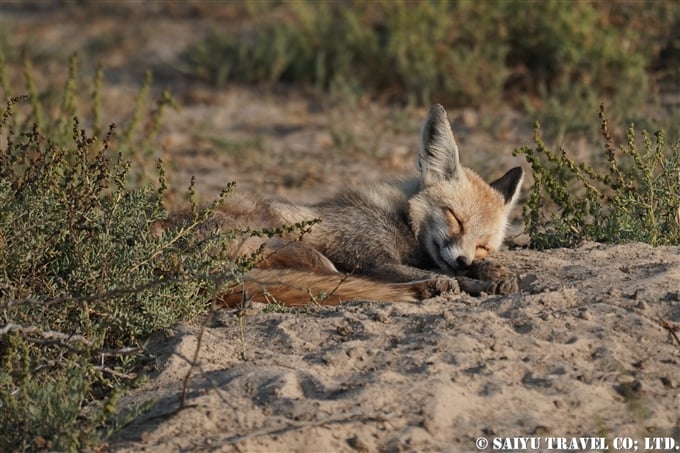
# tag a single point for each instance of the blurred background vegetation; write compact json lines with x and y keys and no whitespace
{"x":555,"y":60}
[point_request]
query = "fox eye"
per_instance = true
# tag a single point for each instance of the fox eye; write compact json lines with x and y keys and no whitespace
{"x":481,"y":252}
{"x":455,"y":227}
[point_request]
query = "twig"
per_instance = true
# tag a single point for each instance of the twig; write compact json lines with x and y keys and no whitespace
{"x":218,"y":276}
{"x":288,"y":424}
{"x":194,"y":361}
{"x":342,"y":280}
{"x":89,"y":298}
{"x":670,"y":328}
{"x":207,"y":377}
{"x":166,"y":415}
{"x":58,"y":337}
{"x":115,"y":373}
{"x":241,"y":313}
{"x":182,"y":232}
{"x":132,"y":350}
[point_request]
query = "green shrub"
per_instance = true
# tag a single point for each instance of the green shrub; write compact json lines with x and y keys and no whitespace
{"x":85,"y":274}
{"x":90,"y":266}
{"x":637,"y":198}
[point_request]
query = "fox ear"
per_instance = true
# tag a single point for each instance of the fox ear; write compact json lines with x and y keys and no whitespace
{"x":509,"y":184}
{"x":438,"y":159}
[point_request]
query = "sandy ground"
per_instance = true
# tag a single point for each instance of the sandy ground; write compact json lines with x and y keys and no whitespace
{"x":579,"y":352}
{"x":585,"y":349}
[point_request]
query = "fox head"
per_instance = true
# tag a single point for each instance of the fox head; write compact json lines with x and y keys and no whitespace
{"x":456,"y":216}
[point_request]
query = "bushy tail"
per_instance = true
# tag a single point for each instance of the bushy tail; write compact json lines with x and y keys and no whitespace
{"x":297,"y":288}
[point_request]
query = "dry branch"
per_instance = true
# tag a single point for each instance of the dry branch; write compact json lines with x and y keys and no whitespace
{"x":49,"y":335}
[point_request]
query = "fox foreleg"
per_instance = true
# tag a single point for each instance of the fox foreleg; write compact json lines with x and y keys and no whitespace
{"x":481,"y":277}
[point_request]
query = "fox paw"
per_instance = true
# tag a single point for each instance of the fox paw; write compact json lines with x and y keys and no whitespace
{"x":445,"y":285}
{"x":474,"y":287}
{"x":507,"y":285}
{"x":489,"y":271}
{"x":438,"y":285}
{"x":499,"y":278}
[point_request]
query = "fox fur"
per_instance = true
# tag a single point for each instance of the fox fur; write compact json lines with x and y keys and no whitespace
{"x":390,"y":241}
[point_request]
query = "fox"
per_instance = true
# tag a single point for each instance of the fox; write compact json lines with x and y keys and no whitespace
{"x":401,"y":240}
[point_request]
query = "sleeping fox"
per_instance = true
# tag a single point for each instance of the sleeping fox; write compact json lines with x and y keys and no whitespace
{"x":390,"y":241}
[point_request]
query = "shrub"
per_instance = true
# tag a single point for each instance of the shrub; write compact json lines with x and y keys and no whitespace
{"x":573,"y":59}
{"x":424,"y":49}
{"x":637,"y":198}
{"x":559,"y":60}
{"x":85,"y":276}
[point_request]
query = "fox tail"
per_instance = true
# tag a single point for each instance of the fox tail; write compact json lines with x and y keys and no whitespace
{"x":298,"y":288}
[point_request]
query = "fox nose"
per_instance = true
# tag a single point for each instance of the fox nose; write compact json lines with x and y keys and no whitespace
{"x":463,"y":261}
